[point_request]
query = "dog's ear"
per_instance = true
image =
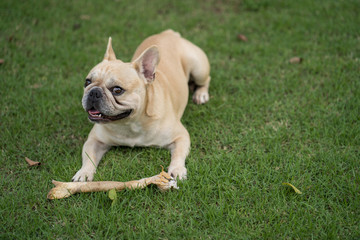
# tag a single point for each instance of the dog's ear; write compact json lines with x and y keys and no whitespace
{"x":109,"y":54}
{"x":146,"y":64}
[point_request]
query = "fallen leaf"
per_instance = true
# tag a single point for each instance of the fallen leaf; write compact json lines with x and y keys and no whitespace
{"x":113,"y":196}
{"x":293,"y":187}
{"x":242,"y":37}
{"x":32,"y":163}
{"x":1,"y":61}
{"x":295,"y":60}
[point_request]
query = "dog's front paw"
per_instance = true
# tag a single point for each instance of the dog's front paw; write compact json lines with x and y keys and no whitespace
{"x":178,"y":172}
{"x":84,"y":175}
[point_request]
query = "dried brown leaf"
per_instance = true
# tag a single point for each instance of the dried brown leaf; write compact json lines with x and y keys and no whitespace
{"x":242,"y":37}
{"x":32,"y":163}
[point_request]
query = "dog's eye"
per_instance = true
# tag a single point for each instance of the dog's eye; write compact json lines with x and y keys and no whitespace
{"x":87,"y":82}
{"x":117,"y":91}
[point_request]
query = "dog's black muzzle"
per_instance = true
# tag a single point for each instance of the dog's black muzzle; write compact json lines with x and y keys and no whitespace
{"x":95,"y":96}
{"x":94,"y":99}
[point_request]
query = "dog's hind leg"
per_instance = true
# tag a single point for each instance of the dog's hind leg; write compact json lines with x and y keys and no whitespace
{"x":199,"y":74}
{"x":198,"y":68}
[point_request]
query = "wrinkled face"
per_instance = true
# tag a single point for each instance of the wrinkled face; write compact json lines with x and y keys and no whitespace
{"x":113,"y":91}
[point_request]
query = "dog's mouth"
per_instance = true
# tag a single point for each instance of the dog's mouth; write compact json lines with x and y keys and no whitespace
{"x":97,"y":116}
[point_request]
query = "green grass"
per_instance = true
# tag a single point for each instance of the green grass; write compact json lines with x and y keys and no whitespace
{"x":267,"y":122}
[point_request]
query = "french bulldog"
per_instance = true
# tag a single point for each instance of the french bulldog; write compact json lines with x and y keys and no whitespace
{"x":141,"y":103}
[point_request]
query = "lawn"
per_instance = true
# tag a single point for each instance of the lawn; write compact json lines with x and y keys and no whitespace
{"x":268,"y":121}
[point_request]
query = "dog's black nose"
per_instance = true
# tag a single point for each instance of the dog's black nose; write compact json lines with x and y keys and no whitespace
{"x":95,"y":95}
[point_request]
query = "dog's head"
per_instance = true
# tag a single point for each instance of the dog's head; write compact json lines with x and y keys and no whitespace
{"x":115,"y":90}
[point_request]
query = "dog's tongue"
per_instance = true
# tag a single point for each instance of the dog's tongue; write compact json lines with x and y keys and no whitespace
{"x":93,"y":112}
